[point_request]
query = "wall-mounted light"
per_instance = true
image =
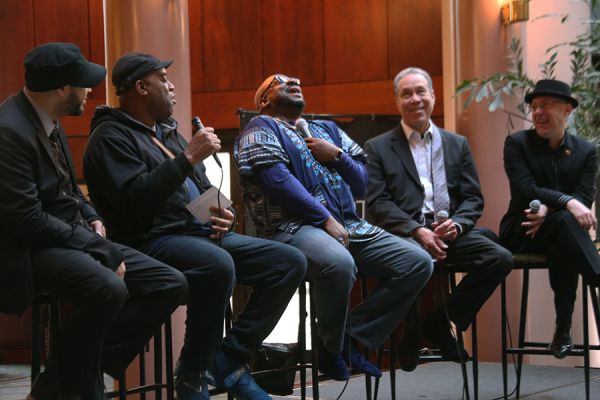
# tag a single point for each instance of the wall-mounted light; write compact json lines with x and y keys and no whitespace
{"x":515,"y":11}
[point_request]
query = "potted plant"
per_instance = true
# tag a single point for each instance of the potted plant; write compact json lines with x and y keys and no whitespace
{"x":585,"y":85}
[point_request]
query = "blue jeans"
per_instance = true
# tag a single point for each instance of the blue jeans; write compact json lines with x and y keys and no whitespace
{"x":212,"y":268}
{"x":401,"y":267}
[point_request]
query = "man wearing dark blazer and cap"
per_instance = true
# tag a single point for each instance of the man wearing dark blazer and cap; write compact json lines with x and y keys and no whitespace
{"x":551,"y":165}
{"x":52,"y":239}
{"x":423,"y":185}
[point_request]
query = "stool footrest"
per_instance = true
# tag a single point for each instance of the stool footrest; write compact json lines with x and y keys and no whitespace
{"x":138,"y":389}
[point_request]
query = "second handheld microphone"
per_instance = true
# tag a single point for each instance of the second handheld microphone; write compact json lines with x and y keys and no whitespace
{"x":196,"y":123}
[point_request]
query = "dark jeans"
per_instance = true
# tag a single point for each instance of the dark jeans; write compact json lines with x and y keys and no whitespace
{"x":273,"y":269}
{"x":117,"y":315}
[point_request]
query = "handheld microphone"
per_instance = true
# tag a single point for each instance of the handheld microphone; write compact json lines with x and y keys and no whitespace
{"x":198,"y":125}
{"x":535,"y":206}
{"x":441,"y":216}
{"x":302,"y":128}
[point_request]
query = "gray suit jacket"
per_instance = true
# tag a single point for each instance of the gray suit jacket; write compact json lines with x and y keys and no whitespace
{"x":395,"y":194}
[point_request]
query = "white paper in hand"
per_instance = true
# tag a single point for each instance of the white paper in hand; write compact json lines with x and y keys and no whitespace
{"x":200,"y":208}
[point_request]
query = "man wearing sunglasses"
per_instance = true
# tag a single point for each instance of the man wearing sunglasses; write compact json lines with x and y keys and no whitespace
{"x":300,"y":180}
{"x":551,"y":165}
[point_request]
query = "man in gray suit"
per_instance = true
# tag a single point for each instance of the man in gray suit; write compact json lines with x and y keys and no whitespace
{"x":423,"y":185}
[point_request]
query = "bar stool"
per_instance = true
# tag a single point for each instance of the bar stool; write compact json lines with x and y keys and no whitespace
{"x":302,"y":365}
{"x":159,"y":383}
{"x":447,"y":272}
{"x":527,"y":262}
{"x":45,"y":318}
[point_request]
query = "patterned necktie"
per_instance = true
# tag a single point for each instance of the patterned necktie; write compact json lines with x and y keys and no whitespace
{"x":59,"y":153}
{"x":441,"y":201}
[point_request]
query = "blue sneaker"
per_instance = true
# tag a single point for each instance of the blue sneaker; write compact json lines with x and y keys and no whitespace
{"x":190,"y":385}
{"x":359,"y":363}
{"x":236,"y":379}
{"x":333,"y":365}
{"x":356,"y":360}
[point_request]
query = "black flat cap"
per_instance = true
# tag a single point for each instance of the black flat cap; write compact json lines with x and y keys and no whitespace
{"x":133,"y":66}
{"x":553,"y":88}
{"x":54,"y":65}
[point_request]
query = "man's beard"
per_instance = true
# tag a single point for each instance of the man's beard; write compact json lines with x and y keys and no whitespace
{"x":296,"y":105}
{"x":73,"y":105}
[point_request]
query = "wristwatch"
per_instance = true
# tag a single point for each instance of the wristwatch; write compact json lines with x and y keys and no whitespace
{"x":338,"y":156}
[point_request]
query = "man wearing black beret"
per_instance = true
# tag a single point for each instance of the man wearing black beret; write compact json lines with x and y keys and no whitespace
{"x":52,"y":239}
{"x":551,"y":165}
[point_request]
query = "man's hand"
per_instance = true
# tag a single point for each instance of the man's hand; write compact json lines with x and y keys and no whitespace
{"x":203,"y":144}
{"x":337,"y":231}
{"x":322,"y":150}
{"x":121,"y":270}
{"x":534,"y":220}
{"x":445,"y":231}
{"x":582,"y":214}
{"x":431,"y":242}
{"x":98,"y":227}
{"x":222,"y":220}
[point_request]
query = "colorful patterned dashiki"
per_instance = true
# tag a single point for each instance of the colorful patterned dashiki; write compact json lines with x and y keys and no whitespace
{"x":267,"y":141}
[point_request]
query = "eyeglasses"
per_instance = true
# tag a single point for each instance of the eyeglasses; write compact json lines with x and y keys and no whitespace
{"x":544,"y":105}
{"x":278,"y":79}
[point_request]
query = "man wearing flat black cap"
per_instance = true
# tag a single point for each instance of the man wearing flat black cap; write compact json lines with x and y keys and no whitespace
{"x":142,"y":174}
{"x":551,"y":165}
{"x":52,"y":239}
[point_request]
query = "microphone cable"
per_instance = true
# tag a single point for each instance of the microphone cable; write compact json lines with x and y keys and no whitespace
{"x":197,"y":124}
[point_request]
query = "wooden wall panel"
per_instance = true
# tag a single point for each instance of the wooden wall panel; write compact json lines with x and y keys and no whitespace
{"x":196,"y":53}
{"x":355,"y":40}
{"x":415,"y":35}
{"x":232,"y":44}
{"x":16,"y":38}
{"x":62,"y":21}
{"x":218,"y":109}
{"x":292,"y":39}
{"x":96,"y":29}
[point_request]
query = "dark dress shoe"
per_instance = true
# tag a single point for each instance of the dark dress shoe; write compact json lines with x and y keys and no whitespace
{"x":561,"y":342}
{"x":407,"y":351}
{"x":94,"y":388}
{"x":436,"y":329}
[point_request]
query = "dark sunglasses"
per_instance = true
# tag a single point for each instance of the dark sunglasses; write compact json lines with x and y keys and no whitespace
{"x":278,"y":79}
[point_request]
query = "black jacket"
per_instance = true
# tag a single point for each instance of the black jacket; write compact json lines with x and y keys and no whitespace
{"x":528,"y":166}
{"x":33,"y":212}
{"x":138,"y":190}
{"x":395,"y":195}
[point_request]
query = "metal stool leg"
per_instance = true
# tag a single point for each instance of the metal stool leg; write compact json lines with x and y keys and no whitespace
{"x":169,"y":360}
{"x":313,"y":332}
{"x":586,"y":340}
{"x":364,"y":293}
{"x":503,"y":317}
{"x":302,"y":337}
{"x":475,"y":359}
{"x":522,"y":322}
{"x":459,"y":338}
